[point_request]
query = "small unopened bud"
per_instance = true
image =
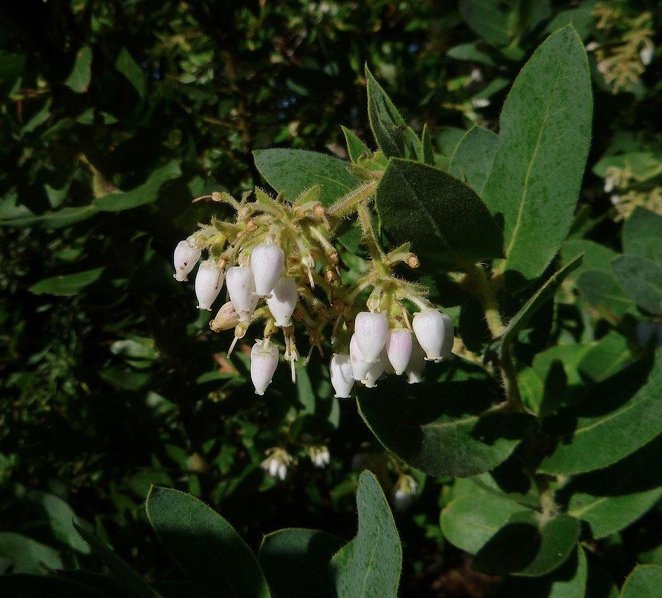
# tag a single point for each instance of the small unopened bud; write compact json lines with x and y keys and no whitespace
{"x":434,"y":332}
{"x":267,"y":262}
{"x":646,"y":55}
{"x":241,"y":288}
{"x":208,"y":283}
{"x":216,"y":196}
{"x":264,"y":360}
{"x":404,"y":491}
{"x":226,"y":318}
{"x":283,"y":300}
{"x":416,"y":363}
{"x":330,"y":276}
{"x":341,"y":375}
{"x":398,"y":349}
{"x":185,"y":258}
{"x":371,"y":330}
{"x":360,"y":365}
{"x":413,"y":262}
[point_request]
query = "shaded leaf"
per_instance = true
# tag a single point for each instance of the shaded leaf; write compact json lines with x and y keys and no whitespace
{"x":601,"y":289}
{"x":355,"y":147}
{"x":642,"y":233}
{"x":437,"y":213}
{"x":641,"y":279}
{"x":21,"y":554}
{"x":295,"y":561}
{"x":206,"y":546}
{"x":127,"y":66}
{"x":645,"y":581}
{"x":81,"y":74}
{"x":68,"y":284}
{"x":41,"y":586}
{"x":443,"y":428}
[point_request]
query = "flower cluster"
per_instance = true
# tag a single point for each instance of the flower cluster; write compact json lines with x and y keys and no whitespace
{"x":280,"y":265}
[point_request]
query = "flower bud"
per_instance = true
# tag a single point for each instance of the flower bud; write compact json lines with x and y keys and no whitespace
{"x":375,"y":370}
{"x":434,"y":331}
{"x":371,"y":330}
{"x":341,"y":375}
{"x":185,"y":259}
{"x":208,"y":283}
{"x":264,"y":360}
{"x":267,"y":262}
{"x":226,"y":318}
{"x":283,"y":300}
{"x":398,"y":348}
{"x":276,"y":463}
{"x":241,"y":288}
{"x":359,"y":365}
{"x":319,"y":455}
{"x":416,"y":363}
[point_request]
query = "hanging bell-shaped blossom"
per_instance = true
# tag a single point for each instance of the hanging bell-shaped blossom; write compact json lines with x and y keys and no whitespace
{"x":371,"y":330}
{"x":398,"y":348}
{"x":208,"y":283}
{"x":185,"y":259}
{"x":241,"y":288}
{"x":416,"y":363}
{"x":341,"y":375}
{"x":267,"y":262}
{"x":375,"y":370}
{"x":434,"y":331}
{"x":264,"y":360}
{"x":359,"y":364}
{"x":283,"y":300}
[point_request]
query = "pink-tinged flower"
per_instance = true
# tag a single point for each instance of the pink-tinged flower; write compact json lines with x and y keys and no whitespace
{"x":208,"y":284}
{"x":398,"y":348}
{"x":283,"y":300}
{"x":375,"y":371}
{"x":341,"y":375}
{"x":434,"y":332}
{"x":241,"y":288}
{"x":185,"y":259}
{"x":416,"y":363}
{"x":371,"y":330}
{"x":267,"y":262}
{"x":264,"y":360}
{"x":359,"y":364}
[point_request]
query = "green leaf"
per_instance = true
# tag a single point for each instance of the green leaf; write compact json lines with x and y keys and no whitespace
{"x":619,"y":417}
{"x":642,"y":233}
{"x":543,"y":144}
{"x":127,"y":66}
{"x":437,"y":213}
{"x":81,"y":74}
{"x":148,"y":192}
{"x":355,"y":147}
{"x":132,"y":583}
{"x":581,"y":18}
{"x":473,"y":157}
{"x":596,"y":256}
{"x":61,"y":518}
{"x":443,"y":428}
{"x":391,"y":132}
{"x":528,"y":546}
{"x":568,"y":581}
{"x":291,"y":172}
{"x":427,"y":155}
{"x":370,"y":564}
{"x":641,"y":279}
{"x":606,"y":358}
{"x":67,"y":285}
{"x":602,"y":290}
{"x":645,"y":581}
{"x":25,"y":555}
{"x":42,"y":586}
{"x":488,"y":20}
{"x":542,"y":295}
{"x":295,"y":561}
{"x":470,"y":520}
{"x":57,"y":219}
{"x":214,"y":557}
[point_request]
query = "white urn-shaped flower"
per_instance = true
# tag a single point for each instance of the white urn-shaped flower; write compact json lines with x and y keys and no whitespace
{"x":208,"y":283}
{"x":185,"y":258}
{"x":241,"y":288}
{"x":264,"y":360}
{"x":434,"y":332}
{"x":283,"y":300}
{"x":267,"y":263}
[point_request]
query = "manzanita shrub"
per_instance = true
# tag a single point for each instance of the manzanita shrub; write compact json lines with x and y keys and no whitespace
{"x":480,"y":336}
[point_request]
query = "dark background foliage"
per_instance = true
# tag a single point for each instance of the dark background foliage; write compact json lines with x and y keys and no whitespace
{"x":110,"y":386}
